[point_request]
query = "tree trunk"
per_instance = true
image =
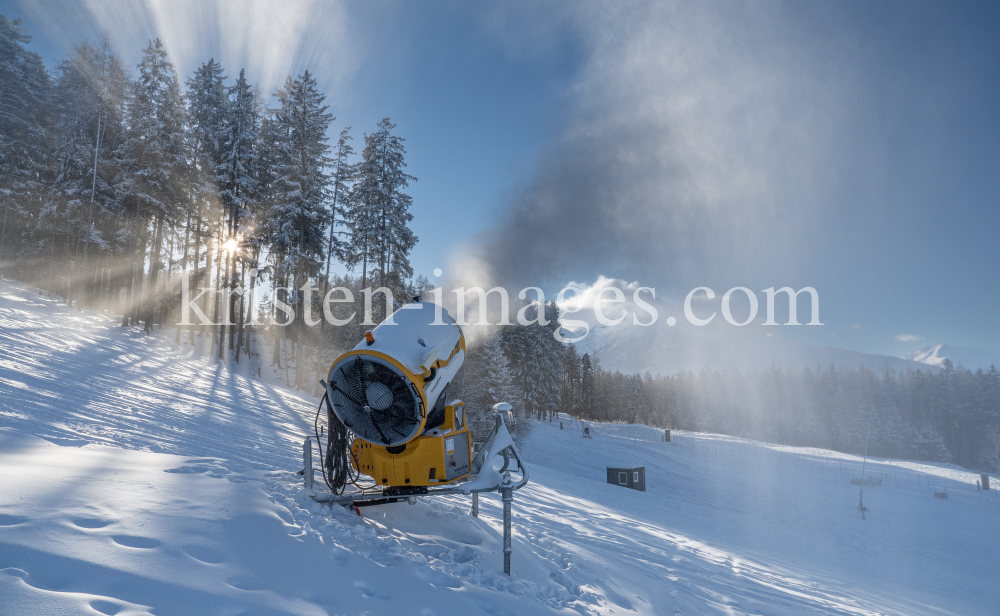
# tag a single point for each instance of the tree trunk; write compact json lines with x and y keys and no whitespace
{"x":276,"y":355}
{"x":278,"y":329}
{"x":364,"y":263}
{"x":239,"y":321}
{"x":154,"y":272}
{"x":170,"y":254}
{"x":227,"y":300}
{"x":215,"y":312}
{"x":197,"y":268}
{"x":250,"y":307}
{"x":139,"y":293}
{"x":130,"y":276}
{"x":246,"y":306}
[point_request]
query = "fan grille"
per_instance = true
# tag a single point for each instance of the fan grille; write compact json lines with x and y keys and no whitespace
{"x":375,"y":401}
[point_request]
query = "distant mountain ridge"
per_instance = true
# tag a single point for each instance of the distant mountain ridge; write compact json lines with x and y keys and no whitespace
{"x":668,"y":351}
{"x":968,"y":357}
{"x":670,"y":345}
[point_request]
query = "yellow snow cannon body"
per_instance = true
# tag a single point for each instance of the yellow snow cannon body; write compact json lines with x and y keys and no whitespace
{"x":390,"y":391}
{"x":439,"y":457}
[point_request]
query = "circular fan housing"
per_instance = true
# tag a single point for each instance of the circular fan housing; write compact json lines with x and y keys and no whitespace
{"x":375,"y":400}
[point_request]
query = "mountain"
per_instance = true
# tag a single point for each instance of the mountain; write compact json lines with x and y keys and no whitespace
{"x":668,"y":350}
{"x":968,"y":357}
{"x":672,"y":344}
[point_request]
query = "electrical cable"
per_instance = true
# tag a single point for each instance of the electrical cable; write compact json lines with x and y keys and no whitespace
{"x":319,"y":443}
{"x":337,"y":469}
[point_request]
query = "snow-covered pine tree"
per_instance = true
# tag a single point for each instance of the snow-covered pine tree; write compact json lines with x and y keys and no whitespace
{"x":485,"y":379}
{"x":498,"y":385}
{"x":378,"y":215}
{"x":153,"y":170}
{"x":498,"y":382}
{"x":88,"y":105}
{"x":992,"y":395}
{"x":569,"y":398}
{"x":24,"y":147}
{"x":208,"y":109}
{"x":297,"y":215}
{"x":300,"y":186}
{"x":342,"y":175}
{"x":536,"y":359}
{"x":549,"y":354}
{"x":238,"y":145}
{"x":945,"y":403}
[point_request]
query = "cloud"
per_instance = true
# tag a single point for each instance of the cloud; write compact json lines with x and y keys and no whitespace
{"x":908,"y":338}
{"x":855,"y":326}
{"x":698,"y":139}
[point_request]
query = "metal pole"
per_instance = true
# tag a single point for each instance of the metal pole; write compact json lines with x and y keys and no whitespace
{"x":507,"y":492}
{"x":307,"y":463}
{"x":475,"y":504}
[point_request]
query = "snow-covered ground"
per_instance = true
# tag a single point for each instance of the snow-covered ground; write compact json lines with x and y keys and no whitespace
{"x":137,"y":477}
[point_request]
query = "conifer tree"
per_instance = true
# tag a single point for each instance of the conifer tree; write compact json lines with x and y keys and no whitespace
{"x":343,"y":174}
{"x":24,"y":147}
{"x":153,"y":173}
{"x":208,"y":109}
{"x":498,"y":382}
{"x":299,"y":189}
{"x":239,"y":187}
{"x":569,"y":398}
{"x":88,"y":106}
{"x":536,"y":360}
{"x":378,"y":215}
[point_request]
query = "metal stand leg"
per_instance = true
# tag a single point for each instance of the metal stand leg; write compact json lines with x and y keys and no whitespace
{"x":307,"y":463}
{"x":475,"y":504}
{"x":507,"y":492}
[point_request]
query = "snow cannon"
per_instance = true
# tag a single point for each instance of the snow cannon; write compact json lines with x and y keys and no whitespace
{"x":391,"y":393}
{"x":392,"y":433}
{"x":392,"y":387}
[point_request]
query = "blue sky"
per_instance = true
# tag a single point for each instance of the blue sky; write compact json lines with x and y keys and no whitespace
{"x":851,"y":146}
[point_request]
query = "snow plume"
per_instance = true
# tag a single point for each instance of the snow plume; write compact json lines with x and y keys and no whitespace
{"x":270,"y":39}
{"x":693,"y":148}
{"x":619,"y":300}
{"x":579,"y":295}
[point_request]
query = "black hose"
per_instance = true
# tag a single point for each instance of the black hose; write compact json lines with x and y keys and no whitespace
{"x":337,"y":468}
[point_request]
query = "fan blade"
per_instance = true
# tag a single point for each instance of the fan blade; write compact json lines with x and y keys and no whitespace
{"x":346,"y":395}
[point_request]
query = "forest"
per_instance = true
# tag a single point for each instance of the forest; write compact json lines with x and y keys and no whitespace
{"x":116,"y":180}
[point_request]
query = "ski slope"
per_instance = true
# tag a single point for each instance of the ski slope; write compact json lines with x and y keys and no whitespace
{"x":137,"y":477}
